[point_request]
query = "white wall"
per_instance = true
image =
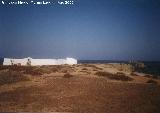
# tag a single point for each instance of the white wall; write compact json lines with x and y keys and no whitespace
{"x":35,"y":62}
{"x":71,"y":61}
{"x":7,"y":61}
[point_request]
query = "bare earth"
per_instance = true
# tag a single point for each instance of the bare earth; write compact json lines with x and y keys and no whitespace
{"x":82,"y":91}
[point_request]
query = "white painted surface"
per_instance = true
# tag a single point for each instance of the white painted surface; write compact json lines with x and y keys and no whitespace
{"x":35,"y":62}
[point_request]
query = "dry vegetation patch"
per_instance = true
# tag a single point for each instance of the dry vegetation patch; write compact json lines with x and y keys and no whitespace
{"x":117,"y":76}
{"x":151,"y":81}
{"x":84,"y":69}
{"x":92,"y":66}
{"x":9,"y":77}
{"x":152,"y":76}
{"x":39,"y":70}
{"x":133,"y":74}
{"x":32,"y":70}
{"x":14,"y":68}
{"x":61,"y":68}
{"x":86,"y":72}
{"x":67,"y":75}
{"x":124,"y":67}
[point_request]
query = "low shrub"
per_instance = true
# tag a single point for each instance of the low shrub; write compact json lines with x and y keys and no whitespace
{"x":9,"y":77}
{"x":31,"y":71}
{"x":3,"y":67}
{"x":95,"y":70}
{"x":152,"y":76}
{"x":54,"y":69}
{"x":117,"y":76}
{"x":66,"y":69}
{"x":37,"y":70}
{"x":150,"y":81}
{"x":120,"y":73}
{"x":86,"y":72}
{"x":155,"y":77}
{"x":13,"y":68}
{"x":92,"y":66}
{"x":148,"y":76}
{"x":100,"y":73}
{"x":45,"y":70}
{"x":67,"y":75}
{"x":84,"y":69}
{"x":133,"y":74}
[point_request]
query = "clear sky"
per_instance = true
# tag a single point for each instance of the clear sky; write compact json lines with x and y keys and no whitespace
{"x":89,"y":29}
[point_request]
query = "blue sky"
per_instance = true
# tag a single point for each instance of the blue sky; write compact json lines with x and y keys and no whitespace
{"x":89,"y":29}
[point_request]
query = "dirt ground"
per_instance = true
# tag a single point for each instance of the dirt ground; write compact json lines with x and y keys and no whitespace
{"x":84,"y":91}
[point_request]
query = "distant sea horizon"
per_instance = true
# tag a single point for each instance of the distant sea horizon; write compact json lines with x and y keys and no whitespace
{"x":115,"y":61}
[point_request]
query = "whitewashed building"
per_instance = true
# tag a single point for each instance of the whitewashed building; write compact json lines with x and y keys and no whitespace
{"x":38,"y":62}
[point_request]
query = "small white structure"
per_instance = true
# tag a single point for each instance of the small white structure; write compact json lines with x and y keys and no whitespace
{"x":39,"y":62}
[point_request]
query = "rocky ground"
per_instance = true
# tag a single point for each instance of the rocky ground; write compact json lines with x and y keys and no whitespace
{"x":107,"y":88}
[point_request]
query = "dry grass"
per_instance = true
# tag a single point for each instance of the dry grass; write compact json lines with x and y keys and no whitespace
{"x":9,"y":77}
{"x":69,"y":92}
{"x":82,"y":95}
{"x":117,"y":76}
